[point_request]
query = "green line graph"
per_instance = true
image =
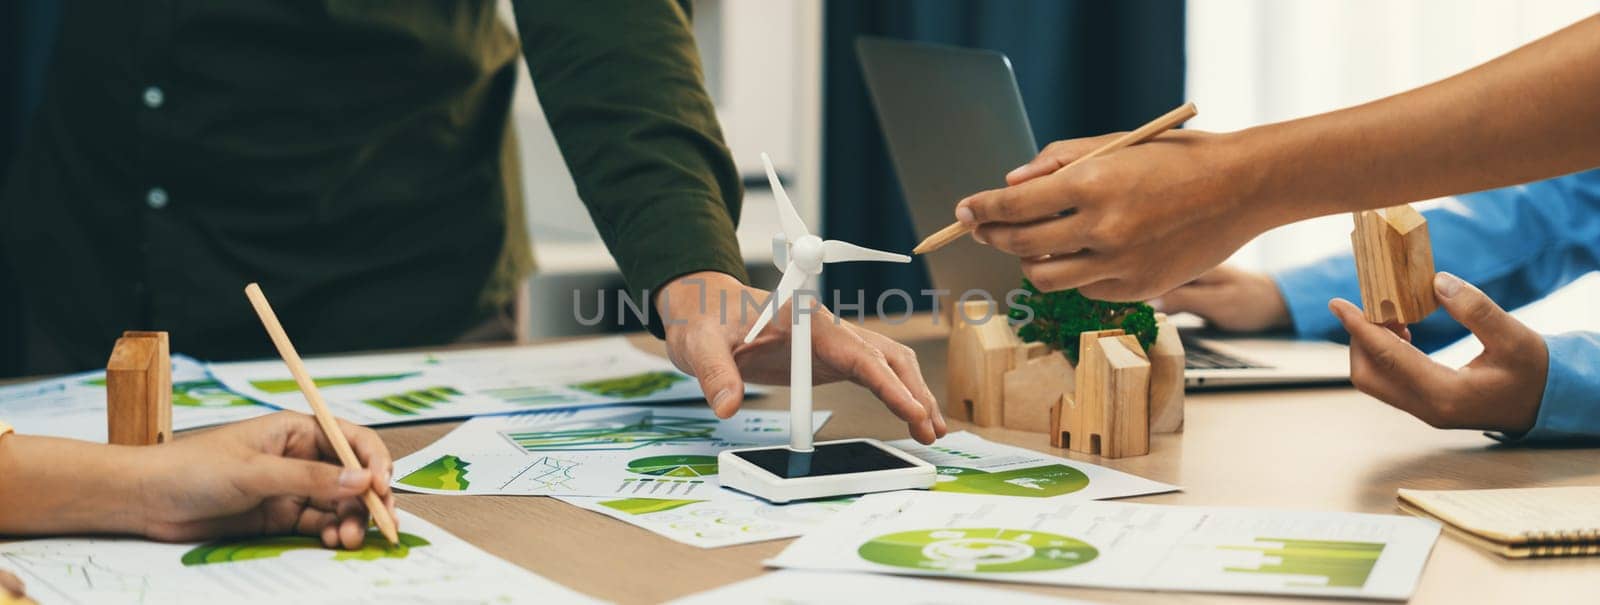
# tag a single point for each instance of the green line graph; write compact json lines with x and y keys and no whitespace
{"x":373,"y":548}
{"x":1342,"y":564}
{"x":531,"y":396}
{"x":632,"y":385}
{"x":620,"y":435}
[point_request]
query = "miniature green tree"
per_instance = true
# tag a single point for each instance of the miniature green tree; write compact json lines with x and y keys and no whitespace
{"x":1059,"y":317}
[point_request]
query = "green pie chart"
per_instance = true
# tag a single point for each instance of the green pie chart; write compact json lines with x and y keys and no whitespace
{"x":1043,"y":481}
{"x":977,"y":550}
{"x":675,"y":466}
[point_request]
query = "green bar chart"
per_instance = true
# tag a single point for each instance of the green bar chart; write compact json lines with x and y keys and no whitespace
{"x":1344,"y":564}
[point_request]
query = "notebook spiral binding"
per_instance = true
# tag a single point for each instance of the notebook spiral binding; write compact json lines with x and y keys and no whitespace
{"x":1564,"y":550}
{"x":1565,"y":537}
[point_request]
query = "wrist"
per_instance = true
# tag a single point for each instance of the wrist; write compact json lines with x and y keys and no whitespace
{"x":55,"y":486}
{"x":125,"y":472}
{"x":1278,"y":317}
{"x":1251,"y":167}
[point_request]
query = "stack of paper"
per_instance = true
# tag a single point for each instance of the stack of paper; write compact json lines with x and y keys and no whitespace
{"x":407,"y":387}
{"x":74,"y":406}
{"x":823,"y":588}
{"x":431,"y":565}
{"x":629,"y":452}
{"x":967,"y":464}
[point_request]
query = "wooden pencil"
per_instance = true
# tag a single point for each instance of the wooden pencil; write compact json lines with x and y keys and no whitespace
{"x":325,"y":418}
{"x":1172,"y":119}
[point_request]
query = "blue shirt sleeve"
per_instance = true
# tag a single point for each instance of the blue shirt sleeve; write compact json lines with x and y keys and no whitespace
{"x":1570,"y":409}
{"x":1517,"y":244}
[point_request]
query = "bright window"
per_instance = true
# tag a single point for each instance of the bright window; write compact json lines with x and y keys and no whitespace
{"x":1259,"y":61}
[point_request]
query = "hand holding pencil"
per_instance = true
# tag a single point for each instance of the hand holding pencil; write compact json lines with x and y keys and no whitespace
{"x":272,"y":475}
{"x":325,"y":418}
{"x":1172,"y":119}
{"x":1120,"y":219}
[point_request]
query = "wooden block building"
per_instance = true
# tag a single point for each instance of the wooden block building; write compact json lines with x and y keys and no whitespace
{"x":139,"y":390}
{"x":980,"y":354}
{"x":1394,"y":261}
{"x":1109,"y":412}
{"x":1107,"y":405}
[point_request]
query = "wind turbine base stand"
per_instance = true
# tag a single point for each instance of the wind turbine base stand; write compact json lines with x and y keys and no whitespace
{"x":833,"y":468}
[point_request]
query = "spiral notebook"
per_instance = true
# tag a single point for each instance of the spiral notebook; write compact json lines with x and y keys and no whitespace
{"x":1516,"y":523}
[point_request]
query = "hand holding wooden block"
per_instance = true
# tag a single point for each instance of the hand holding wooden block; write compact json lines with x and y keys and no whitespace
{"x":1394,"y":262}
{"x":139,"y":390}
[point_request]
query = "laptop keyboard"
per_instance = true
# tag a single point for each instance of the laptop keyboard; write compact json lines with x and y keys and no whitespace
{"x":1197,"y":356}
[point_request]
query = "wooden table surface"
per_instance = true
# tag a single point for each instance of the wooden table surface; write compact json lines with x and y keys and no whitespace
{"x":1330,"y":449}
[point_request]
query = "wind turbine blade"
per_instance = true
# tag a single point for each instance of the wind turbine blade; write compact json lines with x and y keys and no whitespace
{"x":793,"y":277}
{"x":835,"y":251}
{"x":780,"y":251}
{"x":793,"y":227}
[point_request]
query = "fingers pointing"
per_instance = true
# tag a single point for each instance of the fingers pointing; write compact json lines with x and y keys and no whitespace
{"x":869,"y":366}
{"x":710,"y":358}
{"x":904,"y":362}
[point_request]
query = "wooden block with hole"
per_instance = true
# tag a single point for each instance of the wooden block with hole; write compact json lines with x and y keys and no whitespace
{"x":1394,"y":262}
{"x":1066,"y":413}
{"x":1039,"y":376}
{"x":1072,"y":413}
{"x":1166,"y":378}
{"x":1108,"y":415}
{"x":980,"y":354}
{"x":139,"y":390}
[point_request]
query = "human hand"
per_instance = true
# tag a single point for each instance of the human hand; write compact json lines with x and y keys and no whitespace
{"x":11,"y":589}
{"x":276,"y":474}
{"x":707,"y":342}
{"x":1500,"y":390}
{"x":1230,"y":299}
{"x":1128,"y":225}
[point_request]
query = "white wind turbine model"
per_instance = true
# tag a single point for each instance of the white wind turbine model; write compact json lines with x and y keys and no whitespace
{"x":801,"y":470}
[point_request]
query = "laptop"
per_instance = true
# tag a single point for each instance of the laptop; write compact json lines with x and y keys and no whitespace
{"x":955,"y":124}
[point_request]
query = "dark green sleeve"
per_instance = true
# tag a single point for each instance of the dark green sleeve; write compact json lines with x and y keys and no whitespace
{"x":620,"y":83}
